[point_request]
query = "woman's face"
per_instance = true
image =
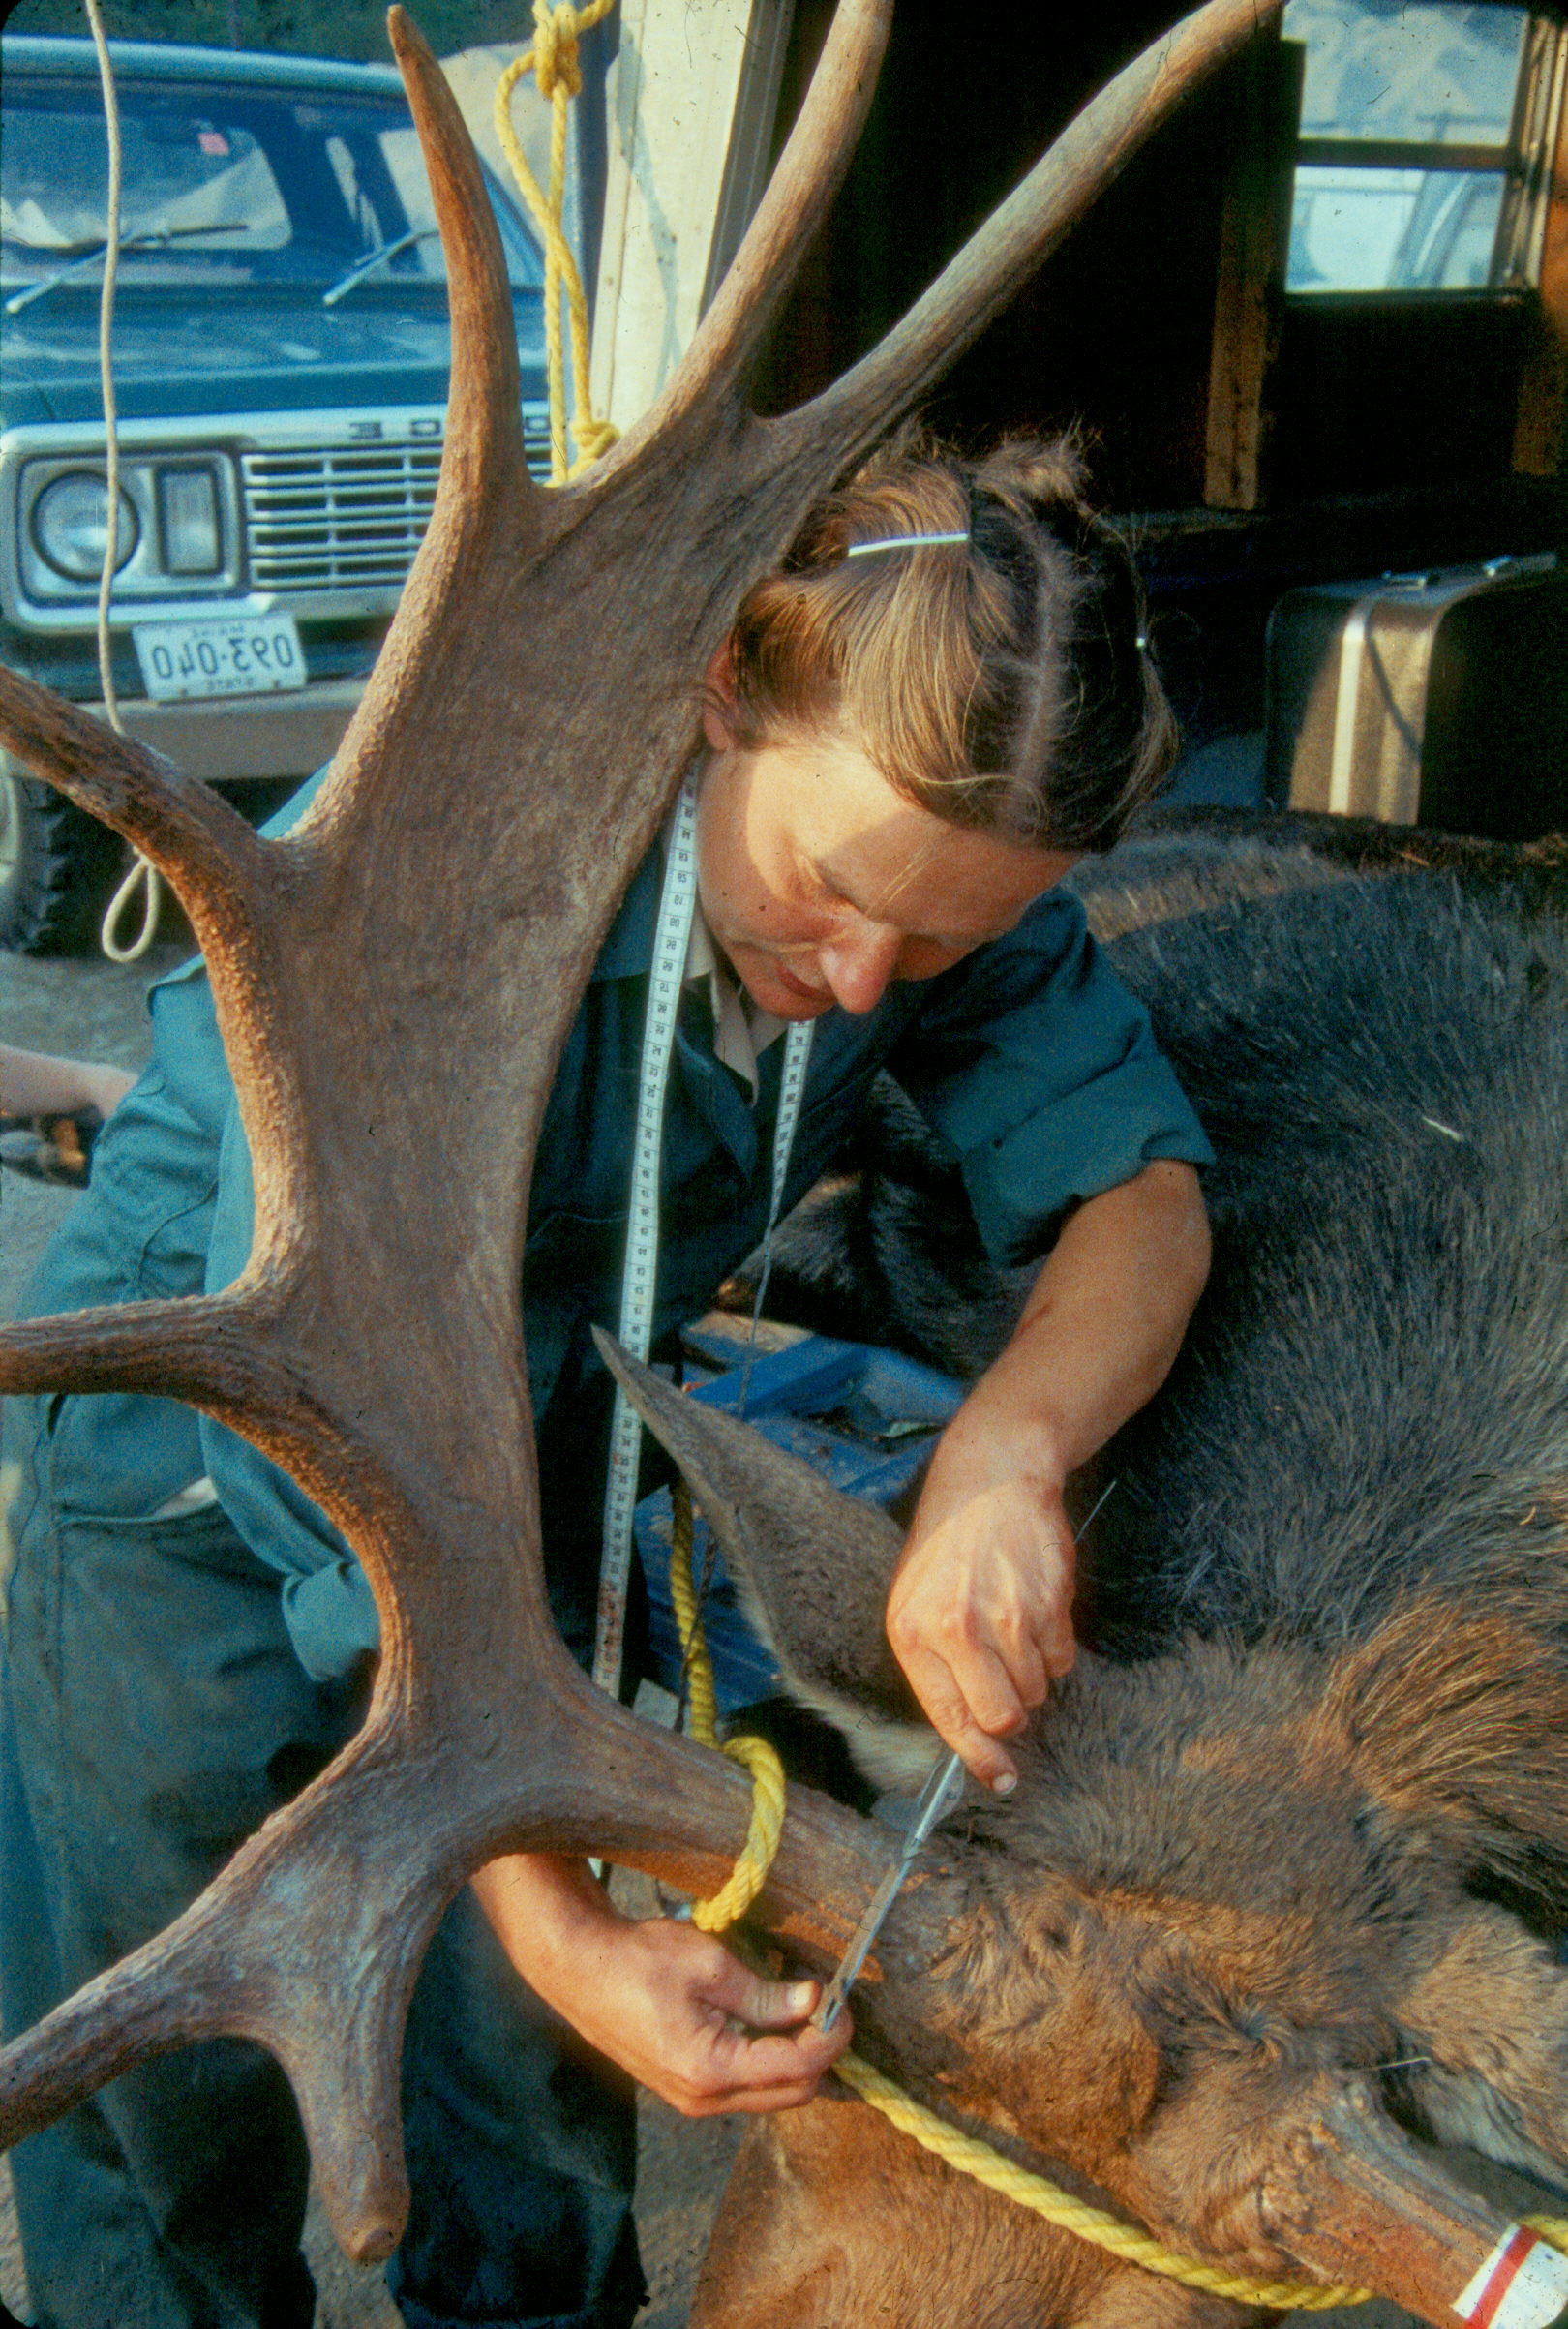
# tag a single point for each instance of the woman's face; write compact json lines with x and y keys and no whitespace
{"x":821,"y":884}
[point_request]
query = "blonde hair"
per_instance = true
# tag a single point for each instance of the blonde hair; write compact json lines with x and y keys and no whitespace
{"x":1001,"y":681}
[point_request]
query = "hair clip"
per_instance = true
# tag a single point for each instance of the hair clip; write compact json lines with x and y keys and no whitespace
{"x":903,"y":541}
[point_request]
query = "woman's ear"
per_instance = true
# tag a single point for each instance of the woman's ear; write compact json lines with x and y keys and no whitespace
{"x":718,"y":699}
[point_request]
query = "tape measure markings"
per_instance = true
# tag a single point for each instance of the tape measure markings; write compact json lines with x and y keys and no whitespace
{"x":677,"y":902}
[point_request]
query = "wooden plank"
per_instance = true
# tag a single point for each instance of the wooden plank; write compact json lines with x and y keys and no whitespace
{"x":1538,"y":435}
{"x":1254,"y":239}
{"x":693,"y":94}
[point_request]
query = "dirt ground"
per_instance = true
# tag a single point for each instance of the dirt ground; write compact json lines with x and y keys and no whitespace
{"x":93,"y":1009}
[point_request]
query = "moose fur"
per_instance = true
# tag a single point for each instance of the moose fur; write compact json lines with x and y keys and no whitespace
{"x":1300,"y":1816}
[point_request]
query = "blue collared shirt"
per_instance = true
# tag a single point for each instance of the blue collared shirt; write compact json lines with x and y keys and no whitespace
{"x":1029,"y":1058}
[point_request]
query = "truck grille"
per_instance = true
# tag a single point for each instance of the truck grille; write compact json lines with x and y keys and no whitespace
{"x":350,"y":517}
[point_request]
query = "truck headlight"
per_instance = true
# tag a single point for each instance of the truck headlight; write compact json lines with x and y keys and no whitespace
{"x":188,"y":520}
{"x":70,"y":523}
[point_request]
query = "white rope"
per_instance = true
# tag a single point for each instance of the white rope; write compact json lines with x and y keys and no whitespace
{"x":142,"y":871}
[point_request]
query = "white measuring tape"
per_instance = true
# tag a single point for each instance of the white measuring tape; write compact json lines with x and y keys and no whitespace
{"x":671,"y":942}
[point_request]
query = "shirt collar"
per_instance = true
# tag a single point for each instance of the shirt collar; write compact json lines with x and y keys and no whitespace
{"x":741,"y":1031}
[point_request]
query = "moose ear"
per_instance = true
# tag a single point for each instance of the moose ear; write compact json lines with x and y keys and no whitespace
{"x":812,"y":1568}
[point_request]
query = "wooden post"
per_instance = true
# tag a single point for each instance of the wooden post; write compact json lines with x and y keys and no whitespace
{"x":693,"y":95}
{"x":1538,"y":432}
{"x":1254,"y":240}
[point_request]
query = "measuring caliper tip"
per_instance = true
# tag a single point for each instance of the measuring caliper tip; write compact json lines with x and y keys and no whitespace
{"x":941,"y":1792}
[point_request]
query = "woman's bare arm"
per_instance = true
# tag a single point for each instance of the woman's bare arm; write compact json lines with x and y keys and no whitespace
{"x":34,"y":1083}
{"x":981,"y":1612}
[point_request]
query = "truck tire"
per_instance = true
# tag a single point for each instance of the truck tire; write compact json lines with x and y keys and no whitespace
{"x":58,"y":868}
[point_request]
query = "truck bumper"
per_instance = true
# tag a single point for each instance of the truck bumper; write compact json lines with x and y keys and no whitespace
{"x":224,"y":738}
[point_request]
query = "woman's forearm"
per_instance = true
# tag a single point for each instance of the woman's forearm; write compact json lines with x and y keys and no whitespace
{"x":979,"y":1614}
{"x":34,"y":1083}
{"x":666,"y":2002}
{"x":1101,"y":1326}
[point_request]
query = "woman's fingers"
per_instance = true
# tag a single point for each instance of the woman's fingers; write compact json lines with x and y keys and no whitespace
{"x":981,"y":1613}
{"x":750,"y":2072}
{"x":666,"y":2002}
{"x":760,"y":2004}
{"x":732,"y":2041}
{"x":949,"y":1711}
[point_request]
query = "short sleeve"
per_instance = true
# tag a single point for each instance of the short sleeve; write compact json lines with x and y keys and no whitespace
{"x":1042,"y":1071}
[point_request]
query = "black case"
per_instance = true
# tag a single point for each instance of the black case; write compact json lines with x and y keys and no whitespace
{"x":1435,"y":699}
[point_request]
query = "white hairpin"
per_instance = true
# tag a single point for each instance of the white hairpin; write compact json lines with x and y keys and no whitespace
{"x":903,"y":541}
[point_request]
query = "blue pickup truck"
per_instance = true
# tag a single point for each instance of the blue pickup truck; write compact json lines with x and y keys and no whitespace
{"x":280,"y":352}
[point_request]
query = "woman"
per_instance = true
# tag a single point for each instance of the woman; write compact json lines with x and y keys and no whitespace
{"x":912,"y":733}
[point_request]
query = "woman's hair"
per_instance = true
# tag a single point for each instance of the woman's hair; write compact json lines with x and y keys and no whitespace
{"x":1000,"y":681}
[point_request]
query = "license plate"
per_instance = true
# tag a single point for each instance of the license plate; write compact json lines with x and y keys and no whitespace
{"x":240,"y":654}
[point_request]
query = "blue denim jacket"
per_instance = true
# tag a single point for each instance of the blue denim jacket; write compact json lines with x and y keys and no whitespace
{"x":1029,"y":1058}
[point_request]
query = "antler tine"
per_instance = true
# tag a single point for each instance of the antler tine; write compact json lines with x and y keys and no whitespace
{"x":488,"y":509}
{"x":484,"y":416}
{"x":1042,"y":210}
{"x":190,"y":832}
{"x":339,"y":2038}
{"x":799,"y":193}
{"x":197,"y":1350}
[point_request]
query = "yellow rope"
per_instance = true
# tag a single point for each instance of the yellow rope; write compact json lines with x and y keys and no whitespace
{"x":966,"y":2153}
{"x":750,"y":1871}
{"x":1058,"y":2207}
{"x":552,"y":61}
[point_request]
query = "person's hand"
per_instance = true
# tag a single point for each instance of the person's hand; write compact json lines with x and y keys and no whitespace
{"x":980,"y":1615}
{"x":667,"y":2003}
{"x":688,"y":2020}
{"x":104,"y":1088}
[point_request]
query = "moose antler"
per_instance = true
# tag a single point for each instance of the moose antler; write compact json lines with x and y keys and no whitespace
{"x":524,"y":731}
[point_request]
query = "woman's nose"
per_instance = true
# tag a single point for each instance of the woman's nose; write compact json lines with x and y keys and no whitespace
{"x":858,"y":965}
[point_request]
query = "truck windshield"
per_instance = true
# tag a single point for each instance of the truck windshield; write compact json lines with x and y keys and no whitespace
{"x":223,"y":184}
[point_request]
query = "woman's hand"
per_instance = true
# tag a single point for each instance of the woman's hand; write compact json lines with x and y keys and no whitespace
{"x":979,"y":1613}
{"x":667,"y":2003}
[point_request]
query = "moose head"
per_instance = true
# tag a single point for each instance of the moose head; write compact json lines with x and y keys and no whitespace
{"x":1228,"y":1918}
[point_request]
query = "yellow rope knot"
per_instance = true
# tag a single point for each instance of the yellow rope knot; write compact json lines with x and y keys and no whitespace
{"x":554,"y":61}
{"x":594,"y":438}
{"x":555,"y":48}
